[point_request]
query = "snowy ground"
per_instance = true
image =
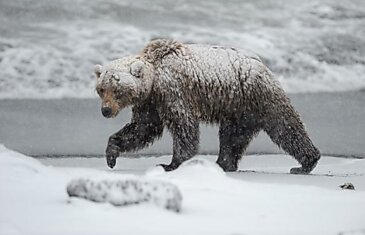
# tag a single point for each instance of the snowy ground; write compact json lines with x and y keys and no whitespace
{"x":261,"y":199}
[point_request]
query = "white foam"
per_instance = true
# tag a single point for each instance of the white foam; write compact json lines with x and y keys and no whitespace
{"x":310,"y":46}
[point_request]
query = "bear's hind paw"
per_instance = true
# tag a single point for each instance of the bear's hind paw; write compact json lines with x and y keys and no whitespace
{"x":169,"y":167}
{"x":300,"y":171}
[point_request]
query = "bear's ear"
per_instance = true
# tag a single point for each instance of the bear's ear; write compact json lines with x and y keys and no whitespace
{"x":97,"y":70}
{"x":136,"y":68}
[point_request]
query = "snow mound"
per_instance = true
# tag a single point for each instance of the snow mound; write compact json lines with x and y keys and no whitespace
{"x":199,"y":165}
{"x":12,"y":160}
{"x":196,"y":167}
{"x":127,"y":192}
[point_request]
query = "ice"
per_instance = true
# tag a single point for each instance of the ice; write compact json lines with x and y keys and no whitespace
{"x":263,"y":199}
{"x":48,"y":48}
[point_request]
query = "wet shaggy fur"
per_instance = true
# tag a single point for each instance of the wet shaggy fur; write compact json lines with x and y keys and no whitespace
{"x":175,"y":85}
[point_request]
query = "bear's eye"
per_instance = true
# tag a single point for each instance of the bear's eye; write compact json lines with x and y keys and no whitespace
{"x":100,"y":91}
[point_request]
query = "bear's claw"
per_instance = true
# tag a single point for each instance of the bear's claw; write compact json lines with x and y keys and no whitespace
{"x":111,"y":155}
{"x":111,"y":161}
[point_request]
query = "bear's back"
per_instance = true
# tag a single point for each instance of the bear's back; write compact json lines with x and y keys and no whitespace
{"x":223,"y":64}
{"x":212,"y":80}
{"x":220,"y":53}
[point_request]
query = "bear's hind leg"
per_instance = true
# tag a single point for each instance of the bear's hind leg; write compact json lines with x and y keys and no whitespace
{"x":234,"y":137}
{"x":288,"y":132}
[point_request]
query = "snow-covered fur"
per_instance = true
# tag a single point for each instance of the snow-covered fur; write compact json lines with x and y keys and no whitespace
{"x":179,"y":85}
{"x":127,"y":192}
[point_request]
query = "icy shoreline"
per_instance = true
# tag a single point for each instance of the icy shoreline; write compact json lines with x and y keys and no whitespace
{"x":335,"y":121}
{"x":33,"y":199}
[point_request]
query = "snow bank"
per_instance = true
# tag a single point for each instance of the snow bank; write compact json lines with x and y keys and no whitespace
{"x":35,"y":201}
{"x":17,"y":161}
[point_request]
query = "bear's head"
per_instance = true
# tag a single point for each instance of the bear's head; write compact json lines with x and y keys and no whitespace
{"x":122,"y":83}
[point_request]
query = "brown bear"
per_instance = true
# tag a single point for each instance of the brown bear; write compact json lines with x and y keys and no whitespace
{"x":175,"y":85}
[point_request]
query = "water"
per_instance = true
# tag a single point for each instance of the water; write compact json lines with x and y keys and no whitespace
{"x":59,"y":127}
{"x":48,"y":48}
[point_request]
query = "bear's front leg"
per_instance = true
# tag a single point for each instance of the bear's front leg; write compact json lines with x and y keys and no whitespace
{"x":119,"y":142}
{"x":185,"y":142}
{"x":145,"y":127}
{"x":132,"y":137}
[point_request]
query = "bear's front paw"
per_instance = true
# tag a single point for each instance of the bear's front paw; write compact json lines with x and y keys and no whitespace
{"x":169,"y":167}
{"x":112,"y":153}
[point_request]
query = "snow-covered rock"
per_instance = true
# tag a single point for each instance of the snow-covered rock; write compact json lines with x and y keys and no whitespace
{"x":125,"y":192}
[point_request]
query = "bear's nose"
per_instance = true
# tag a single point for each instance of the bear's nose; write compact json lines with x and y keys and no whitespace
{"x":106,"y":111}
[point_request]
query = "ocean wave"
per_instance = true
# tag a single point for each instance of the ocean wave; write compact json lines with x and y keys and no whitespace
{"x":48,"y":48}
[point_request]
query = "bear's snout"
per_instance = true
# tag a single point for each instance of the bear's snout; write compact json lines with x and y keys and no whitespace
{"x":107,"y":112}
